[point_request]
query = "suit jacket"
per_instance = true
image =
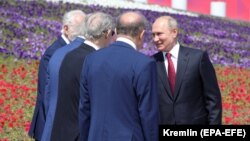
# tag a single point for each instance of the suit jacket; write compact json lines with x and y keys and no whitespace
{"x":51,"y":90}
{"x":66,"y":124}
{"x":38,"y":121}
{"x":197,"y":98}
{"x":118,"y":96}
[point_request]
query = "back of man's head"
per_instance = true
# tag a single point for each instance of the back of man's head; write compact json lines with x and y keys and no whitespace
{"x":98,"y":23}
{"x":73,"y":21}
{"x":131,"y":24}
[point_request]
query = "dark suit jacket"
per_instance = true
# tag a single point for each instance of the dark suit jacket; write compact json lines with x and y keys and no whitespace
{"x":66,"y":124}
{"x":197,"y":98}
{"x":52,"y":87}
{"x":118,"y":99}
{"x":38,"y":121}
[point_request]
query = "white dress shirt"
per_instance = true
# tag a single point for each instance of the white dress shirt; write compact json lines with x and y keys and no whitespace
{"x":65,"y":39}
{"x":91,"y":44}
{"x":174,"y":56}
{"x":126,"y":41}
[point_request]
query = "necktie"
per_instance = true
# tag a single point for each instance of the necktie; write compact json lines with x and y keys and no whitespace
{"x":171,"y":72}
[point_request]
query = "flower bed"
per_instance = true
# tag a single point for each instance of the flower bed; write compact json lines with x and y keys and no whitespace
{"x":28,"y":27}
{"x":18,"y":80}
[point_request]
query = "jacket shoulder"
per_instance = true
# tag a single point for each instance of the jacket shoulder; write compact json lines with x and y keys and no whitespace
{"x":191,"y":50}
{"x":54,"y":46}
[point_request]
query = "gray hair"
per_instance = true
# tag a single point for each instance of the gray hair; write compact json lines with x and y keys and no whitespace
{"x":75,"y":20}
{"x":172,"y":22}
{"x":132,"y":29}
{"x":96,"y":24}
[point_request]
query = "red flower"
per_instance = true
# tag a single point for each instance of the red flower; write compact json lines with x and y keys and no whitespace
{"x":228,"y":120}
{"x":1,"y":101}
{"x":27,"y":126}
{"x":10,"y":125}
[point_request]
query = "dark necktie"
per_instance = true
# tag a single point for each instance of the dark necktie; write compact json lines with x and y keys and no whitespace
{"x":171,"y":72}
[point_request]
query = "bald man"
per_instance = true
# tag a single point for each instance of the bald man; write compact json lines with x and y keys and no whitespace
{"x":118,"y":91}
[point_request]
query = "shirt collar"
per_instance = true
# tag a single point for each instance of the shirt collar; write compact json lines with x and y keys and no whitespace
{"x":174,"y":51}
{"x":81,"y":37}
{"x":91,"y":44}
{"x":65,"y":39}
{"x":122,"y":39}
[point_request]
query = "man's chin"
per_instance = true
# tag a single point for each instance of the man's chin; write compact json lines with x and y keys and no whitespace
{"x":160,"y":48}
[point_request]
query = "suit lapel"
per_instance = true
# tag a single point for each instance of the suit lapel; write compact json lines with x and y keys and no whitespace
{"x":163,"y":74}
{"x":181,"y":68}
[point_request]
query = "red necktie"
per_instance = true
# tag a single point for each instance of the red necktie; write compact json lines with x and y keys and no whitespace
{"x":171,"y":72}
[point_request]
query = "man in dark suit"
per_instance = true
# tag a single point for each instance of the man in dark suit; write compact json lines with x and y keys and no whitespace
{"x":68,"y":33}
{"x":188,"y":88}
{"x":118,"y":99}
{"x":64,"y":88}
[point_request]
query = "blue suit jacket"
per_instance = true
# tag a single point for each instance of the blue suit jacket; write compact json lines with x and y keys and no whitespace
{"x":38,"y":121}
{"x":118,"y":99}
{"x":51,"y":89}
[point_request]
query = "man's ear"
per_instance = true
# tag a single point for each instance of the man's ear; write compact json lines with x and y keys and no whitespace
{"x":175,"y":33}
{"x":142,"y":35}
{"x":106,"y":34}
{"x":65,"y":30}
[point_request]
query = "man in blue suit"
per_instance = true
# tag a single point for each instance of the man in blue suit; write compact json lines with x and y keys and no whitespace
{"x":193,"y":96}
{"x":118,"y":99}
{"x":64,"y":70}
{"x":68,"y":34}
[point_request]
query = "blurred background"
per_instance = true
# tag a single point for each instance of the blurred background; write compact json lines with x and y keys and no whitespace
{"x":233,"y":9}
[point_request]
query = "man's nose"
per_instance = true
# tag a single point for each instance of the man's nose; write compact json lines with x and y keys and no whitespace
{"x":155,"y":38}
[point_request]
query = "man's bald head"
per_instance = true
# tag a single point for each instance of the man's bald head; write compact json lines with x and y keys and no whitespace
{"x":130,"y":18}
{"x":131,"y":23}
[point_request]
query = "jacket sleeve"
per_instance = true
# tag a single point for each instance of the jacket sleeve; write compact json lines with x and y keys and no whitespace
{"x":211,"y":91}
{"x":84,"y":105}
{"x":146,"y":89}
